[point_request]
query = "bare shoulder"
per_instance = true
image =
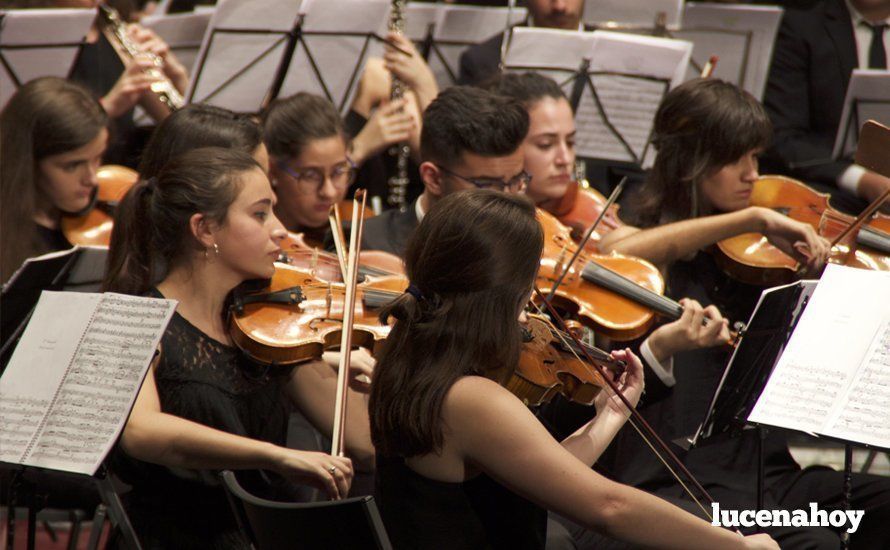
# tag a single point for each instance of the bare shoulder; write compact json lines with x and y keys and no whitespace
{"x":475,"y":402}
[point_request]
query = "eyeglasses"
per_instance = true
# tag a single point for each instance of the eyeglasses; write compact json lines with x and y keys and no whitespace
{"x":310,"y":180}
{"x":516,"y":184}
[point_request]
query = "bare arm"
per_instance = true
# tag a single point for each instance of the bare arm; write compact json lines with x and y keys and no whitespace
{"x":489,"y":427}
{"x":161,"y":438}
{"x":668,"y":243}
{"x":313,"y":388}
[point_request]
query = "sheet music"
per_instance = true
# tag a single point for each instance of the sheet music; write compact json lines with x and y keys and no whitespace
{"x":241,"y":52}
{"x":86,"y":276}
{"x":458,"y":28}
{"x":183,"y":32}
{"x":39,"y":42}
{"x":336,"y":47}
{"x":829,"y":376}
{"x":73,"y":378}
{"x":632,"y":13}
{"x":870,"y":90}
{"x":630,"y":74}
{"x":742,"y":36}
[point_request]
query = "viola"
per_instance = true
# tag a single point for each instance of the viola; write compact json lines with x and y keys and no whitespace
{"x":752,"y":259}
{"x":93,"y":225}
{"x":620,"y":316}
{"x":579,"y":207}
{"x":294,"y":316}
{"x":550,"y":363}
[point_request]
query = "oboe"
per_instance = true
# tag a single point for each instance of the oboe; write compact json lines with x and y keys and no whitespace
{"x":115,"y":30}
{"x":398,"y":182}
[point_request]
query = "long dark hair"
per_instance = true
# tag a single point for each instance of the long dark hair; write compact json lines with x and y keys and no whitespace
{"x":195,"y":126}
{"x":473,"y":260}
{"x":290,"y":124}
{"x":47,"y":116}
{"x":700,"y":127}
{"x":151,"y":228}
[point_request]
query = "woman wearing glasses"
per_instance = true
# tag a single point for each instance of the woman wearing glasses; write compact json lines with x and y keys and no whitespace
{"x":309,"y":166}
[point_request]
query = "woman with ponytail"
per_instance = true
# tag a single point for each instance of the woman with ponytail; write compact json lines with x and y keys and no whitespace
{"x":52,"y":138}
{"x":200,"y":228}
{"x":462,"y":462}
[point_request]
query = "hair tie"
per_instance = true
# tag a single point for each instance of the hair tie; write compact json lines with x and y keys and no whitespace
{"x":414,"y":291}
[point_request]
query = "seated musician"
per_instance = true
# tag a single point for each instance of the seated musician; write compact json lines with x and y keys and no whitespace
{"x":52,"y":138}
{"x":708,"y":135}
{"x":462,"y":463}
{"x":200,"y":228}
{"x":310,"y":167}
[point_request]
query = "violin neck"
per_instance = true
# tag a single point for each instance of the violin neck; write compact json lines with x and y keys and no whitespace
{"x":621,"y":285}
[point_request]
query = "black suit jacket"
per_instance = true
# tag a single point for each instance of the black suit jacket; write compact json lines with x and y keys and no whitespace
{"x":389,"y":232}
{"x":814,"y":55}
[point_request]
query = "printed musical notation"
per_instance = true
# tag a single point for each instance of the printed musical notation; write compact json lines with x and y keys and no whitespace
{"x":92,"y":389}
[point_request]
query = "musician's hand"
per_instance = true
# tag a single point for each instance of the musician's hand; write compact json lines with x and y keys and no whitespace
{"x":323,"y":471}
{"x":151,"y":43}
{"x":129,"y":88}
{"x":630,"y":384}
{"x":797,"y":239}
{"x":690,"y":331}
{"x":389,"y":124}
{"x":872,"y":185}
{"x":361,"y":367}
{"x":761,"y":541}
{"x":410,"y":67}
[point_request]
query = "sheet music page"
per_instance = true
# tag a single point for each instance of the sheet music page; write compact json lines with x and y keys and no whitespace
{"x":554,"y":53}
{"x":633,"y":13}
{"x":241,"y":52}
{"x":742,"y":36}
{"x":458,"y":28}
{"x":74,"y":376}
{"x":183,"y":32}
{"x":418,"y":20}
{"x":828,"y":377}
{"x":870,"y":88}
{"x":337,"y":47}
{"x":40,"y":42}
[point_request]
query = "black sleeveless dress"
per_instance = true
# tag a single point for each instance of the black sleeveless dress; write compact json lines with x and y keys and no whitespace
{"x":201,"y":379}
{"x":423,"y":513}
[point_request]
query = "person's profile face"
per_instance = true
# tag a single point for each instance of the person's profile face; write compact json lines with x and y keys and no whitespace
{"x":729,"y":188}
{"x":549,"y":149}
{"x":482,"y":169}
{"x":65,"y":181}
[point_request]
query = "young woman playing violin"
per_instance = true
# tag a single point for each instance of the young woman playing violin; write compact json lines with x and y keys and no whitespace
{"x":462,"y":463}
{"x":310,"y":167}
{"x":194,"y":233}
{"x":52,"y":138}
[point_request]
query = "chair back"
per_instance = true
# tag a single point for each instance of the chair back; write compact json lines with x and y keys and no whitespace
{"x":348,"y":523}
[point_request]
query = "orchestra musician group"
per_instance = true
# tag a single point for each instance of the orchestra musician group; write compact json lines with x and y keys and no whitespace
{"x":455,"y":455}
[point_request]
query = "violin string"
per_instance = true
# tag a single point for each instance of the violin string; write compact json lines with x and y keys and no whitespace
{"x":635,"y":426}
{"x":634,"y":413}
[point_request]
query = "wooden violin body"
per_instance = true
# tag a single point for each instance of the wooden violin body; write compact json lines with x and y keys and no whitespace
{"x":94,"y":225}
{"x":752,"y":259}
{"x":296,"y":317}
{"x":579,"y":208}
{"x":547,"y":366}
{"x":597,"y":307}
{"x":323,"y":265}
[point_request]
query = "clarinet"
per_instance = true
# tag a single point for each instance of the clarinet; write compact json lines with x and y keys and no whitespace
{"x":398,"y":182}
{"x":115,"y":30}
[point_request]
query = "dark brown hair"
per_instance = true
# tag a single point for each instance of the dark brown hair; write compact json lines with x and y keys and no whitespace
{"x":47,"y":116}
{"x":473,"y":260}
{"x":700,"y":127}
{"x":152,"y":224}
{"x":195,"y":126}
{"x":527,"y":88}
{"x":291,"y":123}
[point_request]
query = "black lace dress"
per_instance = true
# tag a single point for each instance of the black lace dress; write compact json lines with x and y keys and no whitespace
{"x":201,"y":379}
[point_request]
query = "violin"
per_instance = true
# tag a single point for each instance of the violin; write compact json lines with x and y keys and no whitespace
{"x":550,"y":363}
{"x":752,"y":259}
{"x":615,"y":315}
{"x":295,"y":251}
{"x":577,"y":209}
{"x":295,"y":317}
{"x":92,"y":226}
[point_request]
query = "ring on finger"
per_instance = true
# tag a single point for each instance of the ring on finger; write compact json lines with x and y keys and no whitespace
{"x":333,"y":470}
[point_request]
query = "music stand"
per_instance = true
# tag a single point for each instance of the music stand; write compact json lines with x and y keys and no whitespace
{"x":868,"y":98}
{"x":39,"y":42}
{"x":615,"y":83}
